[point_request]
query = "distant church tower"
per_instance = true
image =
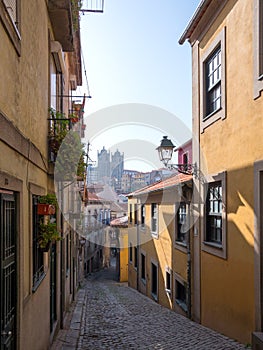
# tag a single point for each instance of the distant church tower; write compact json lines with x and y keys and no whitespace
{"x":103,"y":164}
{"x":117,"y":165}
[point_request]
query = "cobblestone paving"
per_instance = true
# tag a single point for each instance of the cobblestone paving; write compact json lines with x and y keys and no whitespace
{"x":115,"y":316}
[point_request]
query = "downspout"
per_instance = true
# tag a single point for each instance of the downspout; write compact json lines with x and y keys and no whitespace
{"x":138,"y":244}
{"x":62,"y":280}
{"x":189,"y":270}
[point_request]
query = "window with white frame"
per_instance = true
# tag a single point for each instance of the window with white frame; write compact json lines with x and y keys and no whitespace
{"x":168,"y":281}
{"x":182,"y":221}
{"x":212,"y":82}
{"x":214,"y":227}
{"x":154,"y":219}
{"x":214,"y":213}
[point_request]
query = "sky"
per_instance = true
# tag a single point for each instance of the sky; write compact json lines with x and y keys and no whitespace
{"x":131,"y":56}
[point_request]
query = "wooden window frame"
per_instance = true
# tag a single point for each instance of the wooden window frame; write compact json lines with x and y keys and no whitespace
{"x":207,"y":120}
{"x":213,"y":248}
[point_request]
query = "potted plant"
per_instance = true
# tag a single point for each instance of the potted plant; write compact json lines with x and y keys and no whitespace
{"x":47,"y":204}
{"x":58,"y":129}
{"x":74,"y":118}
{"x":48,"y":234}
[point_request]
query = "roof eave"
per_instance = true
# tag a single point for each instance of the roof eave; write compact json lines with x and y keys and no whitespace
{"x":194,"y":20}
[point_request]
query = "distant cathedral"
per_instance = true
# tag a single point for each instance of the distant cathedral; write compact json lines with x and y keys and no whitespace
{"x":110,"y":167}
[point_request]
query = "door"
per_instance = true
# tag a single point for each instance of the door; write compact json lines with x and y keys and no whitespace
{"x":8,"y":285}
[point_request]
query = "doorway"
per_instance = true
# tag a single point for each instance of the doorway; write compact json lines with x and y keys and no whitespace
{"x":8,"y":270}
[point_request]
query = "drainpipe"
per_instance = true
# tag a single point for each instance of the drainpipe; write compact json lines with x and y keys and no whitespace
{"x":138,"y":245}
{"x":189,"y":268}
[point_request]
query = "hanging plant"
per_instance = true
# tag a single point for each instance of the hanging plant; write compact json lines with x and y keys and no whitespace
{"x":48,"y":234}
{"x":58,"y":129}
{"x":75,"y":8}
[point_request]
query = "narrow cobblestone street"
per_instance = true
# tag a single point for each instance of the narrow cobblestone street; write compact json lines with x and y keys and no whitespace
{"x":110,"y":315}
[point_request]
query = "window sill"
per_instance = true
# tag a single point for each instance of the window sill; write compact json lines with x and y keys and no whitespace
{"x":182,"y":305}
{"x":180,"y":246}
{"x":214,"y":245}
{"x":143,"y":281}
{"x":168,"y":291}
{"x":155,"y":235}
{"x":215,"y":249}
{"x":211,"y":114}
{"x":39,"y":281}
{"x":212,"y":118}
{"x":154,"y":296}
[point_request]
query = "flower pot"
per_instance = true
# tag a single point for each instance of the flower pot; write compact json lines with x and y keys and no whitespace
{"x":74,"y":120}
{"x":46,"y":209}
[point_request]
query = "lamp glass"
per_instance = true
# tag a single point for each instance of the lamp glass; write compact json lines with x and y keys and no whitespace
{"x":165,"y":150}
{"x":165,"y":154}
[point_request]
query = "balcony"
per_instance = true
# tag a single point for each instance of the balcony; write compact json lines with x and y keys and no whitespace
{"x":60,"y":15}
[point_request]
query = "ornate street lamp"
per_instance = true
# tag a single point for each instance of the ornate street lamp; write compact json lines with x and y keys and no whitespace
{"x":165,"y":151}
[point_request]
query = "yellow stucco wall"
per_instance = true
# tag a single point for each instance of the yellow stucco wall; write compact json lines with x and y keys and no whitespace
{"x":233,"y":144}
{"x":124,"y":255}
{"x":156,"y":250}
{"x":24,"y":101}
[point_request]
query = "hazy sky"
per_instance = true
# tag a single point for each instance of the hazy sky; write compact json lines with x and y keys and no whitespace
{"x":132,"y":55}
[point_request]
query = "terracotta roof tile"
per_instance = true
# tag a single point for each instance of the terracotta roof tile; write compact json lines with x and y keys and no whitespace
{"x":164,"y":184}
{"x":123,"y":221}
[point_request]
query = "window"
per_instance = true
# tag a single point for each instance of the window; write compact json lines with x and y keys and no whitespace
{"x":135,"y":214}
{"x":10,"y":17}
{"x":168,"y":281}
{"x":213,"y":83}
{"x":214,"y":225}
{"x":154,"y":218}
{"x":135,"y":257}
{"x":38,"y":259}
{"x":185,"y":158}
{"x":214,"y":213}
{"x":130,"y":253}
{"x":131,"y":213}
{"x":180,"y":295}
{"x":182,"y":221}
{"x":142,"y":216}
{"x":212,"y":103}
{"x":143,"y":267}
{"x":258,"y":48}
{"x":154,"y":280}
